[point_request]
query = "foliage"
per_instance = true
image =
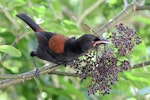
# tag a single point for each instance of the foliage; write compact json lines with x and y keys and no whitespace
{"x":10,"y":50}
{"x":63,"y":16}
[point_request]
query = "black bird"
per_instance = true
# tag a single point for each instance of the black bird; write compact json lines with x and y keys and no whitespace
{"x":57,"y":48}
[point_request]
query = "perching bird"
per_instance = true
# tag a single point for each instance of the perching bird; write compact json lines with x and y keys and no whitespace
{"x":57,"y":48}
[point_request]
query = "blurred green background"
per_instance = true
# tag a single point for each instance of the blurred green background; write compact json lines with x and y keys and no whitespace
{"x":67,"y":17}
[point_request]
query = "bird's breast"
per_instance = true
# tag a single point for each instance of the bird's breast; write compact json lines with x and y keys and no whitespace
{"x":57,"y":43}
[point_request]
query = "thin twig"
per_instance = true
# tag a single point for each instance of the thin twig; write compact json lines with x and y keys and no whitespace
{"x":6,"y":13}
{"x":125,"y":3}
{"x":88,"y":11}
{"x":91,"y":29}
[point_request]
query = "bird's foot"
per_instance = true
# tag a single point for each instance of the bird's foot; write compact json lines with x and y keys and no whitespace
{"x":36,"y":72}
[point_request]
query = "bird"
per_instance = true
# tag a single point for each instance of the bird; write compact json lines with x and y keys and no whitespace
{"x":57,"y":48}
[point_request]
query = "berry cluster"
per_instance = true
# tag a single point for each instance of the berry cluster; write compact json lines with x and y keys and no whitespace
{"x":124,"y":39}
{"x":103,"y":69}
{"x":84,"y":64}
{"x":104,"y":74}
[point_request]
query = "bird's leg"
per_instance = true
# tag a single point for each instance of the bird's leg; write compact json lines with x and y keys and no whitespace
{"x":32,"y":54}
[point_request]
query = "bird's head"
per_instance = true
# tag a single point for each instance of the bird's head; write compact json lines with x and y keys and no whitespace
{"x":89,"y":41}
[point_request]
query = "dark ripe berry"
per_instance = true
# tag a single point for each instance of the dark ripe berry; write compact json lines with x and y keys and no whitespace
{"x":125,"y":65}
{"x":138,"y":40}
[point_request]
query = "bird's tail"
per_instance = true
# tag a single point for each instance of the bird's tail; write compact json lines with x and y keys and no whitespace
{"x":35,"y":27}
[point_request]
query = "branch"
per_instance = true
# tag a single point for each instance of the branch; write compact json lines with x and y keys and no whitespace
{"x":88,"y":11}
{"x":125,"y":3}
{"x":143,"y":8}
{"x":128,"y":9}
{"x":64,"y":73}
{"x":68,"y":12}
{"x":16,"y":79}
{"x":143,"y":64}
{"x":31,"y":73}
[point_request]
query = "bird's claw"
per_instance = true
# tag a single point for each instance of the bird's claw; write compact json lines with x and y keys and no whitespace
{"x":36,"y":72}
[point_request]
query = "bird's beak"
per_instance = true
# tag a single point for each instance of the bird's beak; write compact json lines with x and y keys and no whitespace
{"x":100,"y":42}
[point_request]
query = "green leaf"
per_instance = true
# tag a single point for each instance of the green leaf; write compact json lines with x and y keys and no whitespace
{"x":143,"y":20}
{"x":68,"y":22}
{"x":10,"y":50}
{"x":12,"y":4}
{"x":56,"y":4}
{"x":112,"y":1}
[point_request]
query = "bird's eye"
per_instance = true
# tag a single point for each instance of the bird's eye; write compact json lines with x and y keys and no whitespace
{"x":96,"y":39}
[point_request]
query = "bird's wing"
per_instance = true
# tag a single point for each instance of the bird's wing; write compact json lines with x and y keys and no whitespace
{"x":43,"y":37}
